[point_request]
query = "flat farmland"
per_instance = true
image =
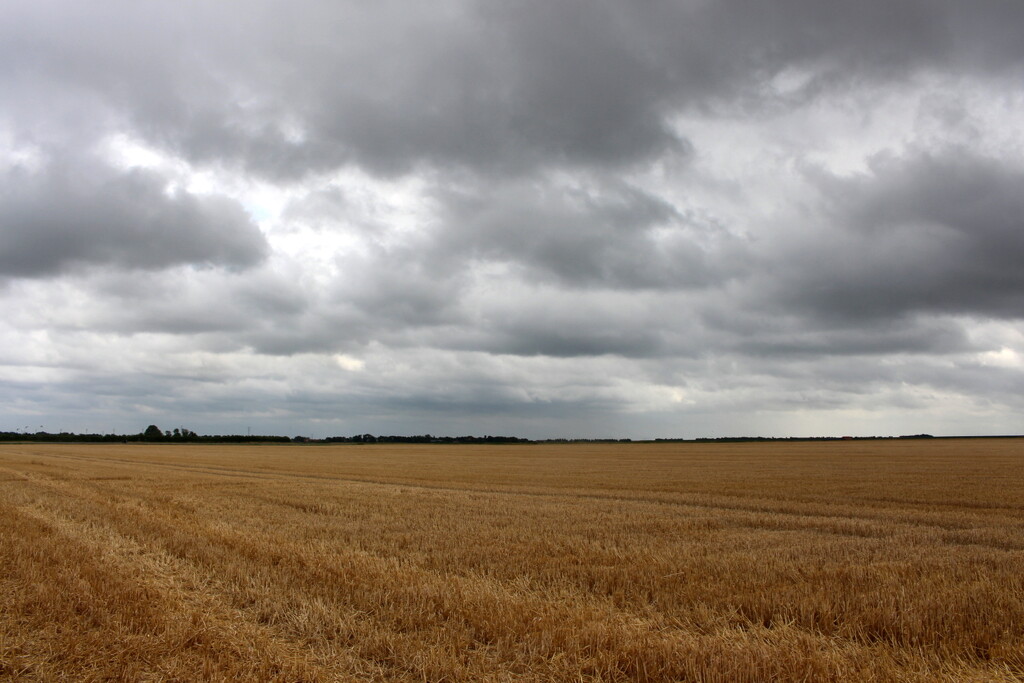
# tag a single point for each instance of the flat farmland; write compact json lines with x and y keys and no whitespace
{"x":853,"y":560}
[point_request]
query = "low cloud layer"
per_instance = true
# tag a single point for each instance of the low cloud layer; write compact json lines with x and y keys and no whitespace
{"x":541,"y":219}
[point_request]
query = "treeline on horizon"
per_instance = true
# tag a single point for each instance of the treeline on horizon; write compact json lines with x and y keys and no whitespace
{"x":187,"y":436}
{"x":175,"y":436}
{"x":154,"y":434}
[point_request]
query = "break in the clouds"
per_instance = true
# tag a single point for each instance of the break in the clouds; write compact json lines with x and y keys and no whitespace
{"x":543,"y":219}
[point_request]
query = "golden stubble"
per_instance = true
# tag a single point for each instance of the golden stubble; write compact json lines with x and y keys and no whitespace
{"x":864,"y":560}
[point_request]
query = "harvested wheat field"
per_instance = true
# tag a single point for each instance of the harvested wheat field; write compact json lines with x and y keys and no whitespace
{"x":862,"y":560}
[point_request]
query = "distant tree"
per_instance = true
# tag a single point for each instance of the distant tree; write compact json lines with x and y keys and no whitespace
{"x":152,"y":433}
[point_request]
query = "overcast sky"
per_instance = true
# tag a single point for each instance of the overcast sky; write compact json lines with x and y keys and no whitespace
{"x":539,"y":218}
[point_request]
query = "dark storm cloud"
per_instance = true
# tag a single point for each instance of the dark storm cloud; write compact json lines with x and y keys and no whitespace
{"x":564,"y":327}
{"x":85,"y":214}
{"x":935,"y":232}
{"x":804,"y":339}
{"x":483,"y":85}
{"x":606,"y":235}
{"x":514,"y":86}
{"x":465,"y":84}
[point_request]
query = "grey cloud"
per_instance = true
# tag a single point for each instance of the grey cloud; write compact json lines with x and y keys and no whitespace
{"x":806,"y":339}
{"x":609,"y":235}
{"x":398,"y":289}
{"x":205,"y":303}
{"x":84,"y":214}
{"x":838,"y":44}
{"x":929,"y":232}
{"x":599,"y":239}
{"x":387,"y":297}
{"x":516,"y":86}
{"x":968,"y":380}
{"x":269,"y":310}
{"x":322,"y":209}
{"x":602,"y":237}
{"x":985,"y":385}
{"x":481,"y":85}
{"x":561,"y":331}
{"x":486,"y":88}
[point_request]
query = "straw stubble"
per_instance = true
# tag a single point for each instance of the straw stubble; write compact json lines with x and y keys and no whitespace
{"x":864,"y":560}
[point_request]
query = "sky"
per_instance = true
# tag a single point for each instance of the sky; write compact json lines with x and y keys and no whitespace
{"x":572,"y":218}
